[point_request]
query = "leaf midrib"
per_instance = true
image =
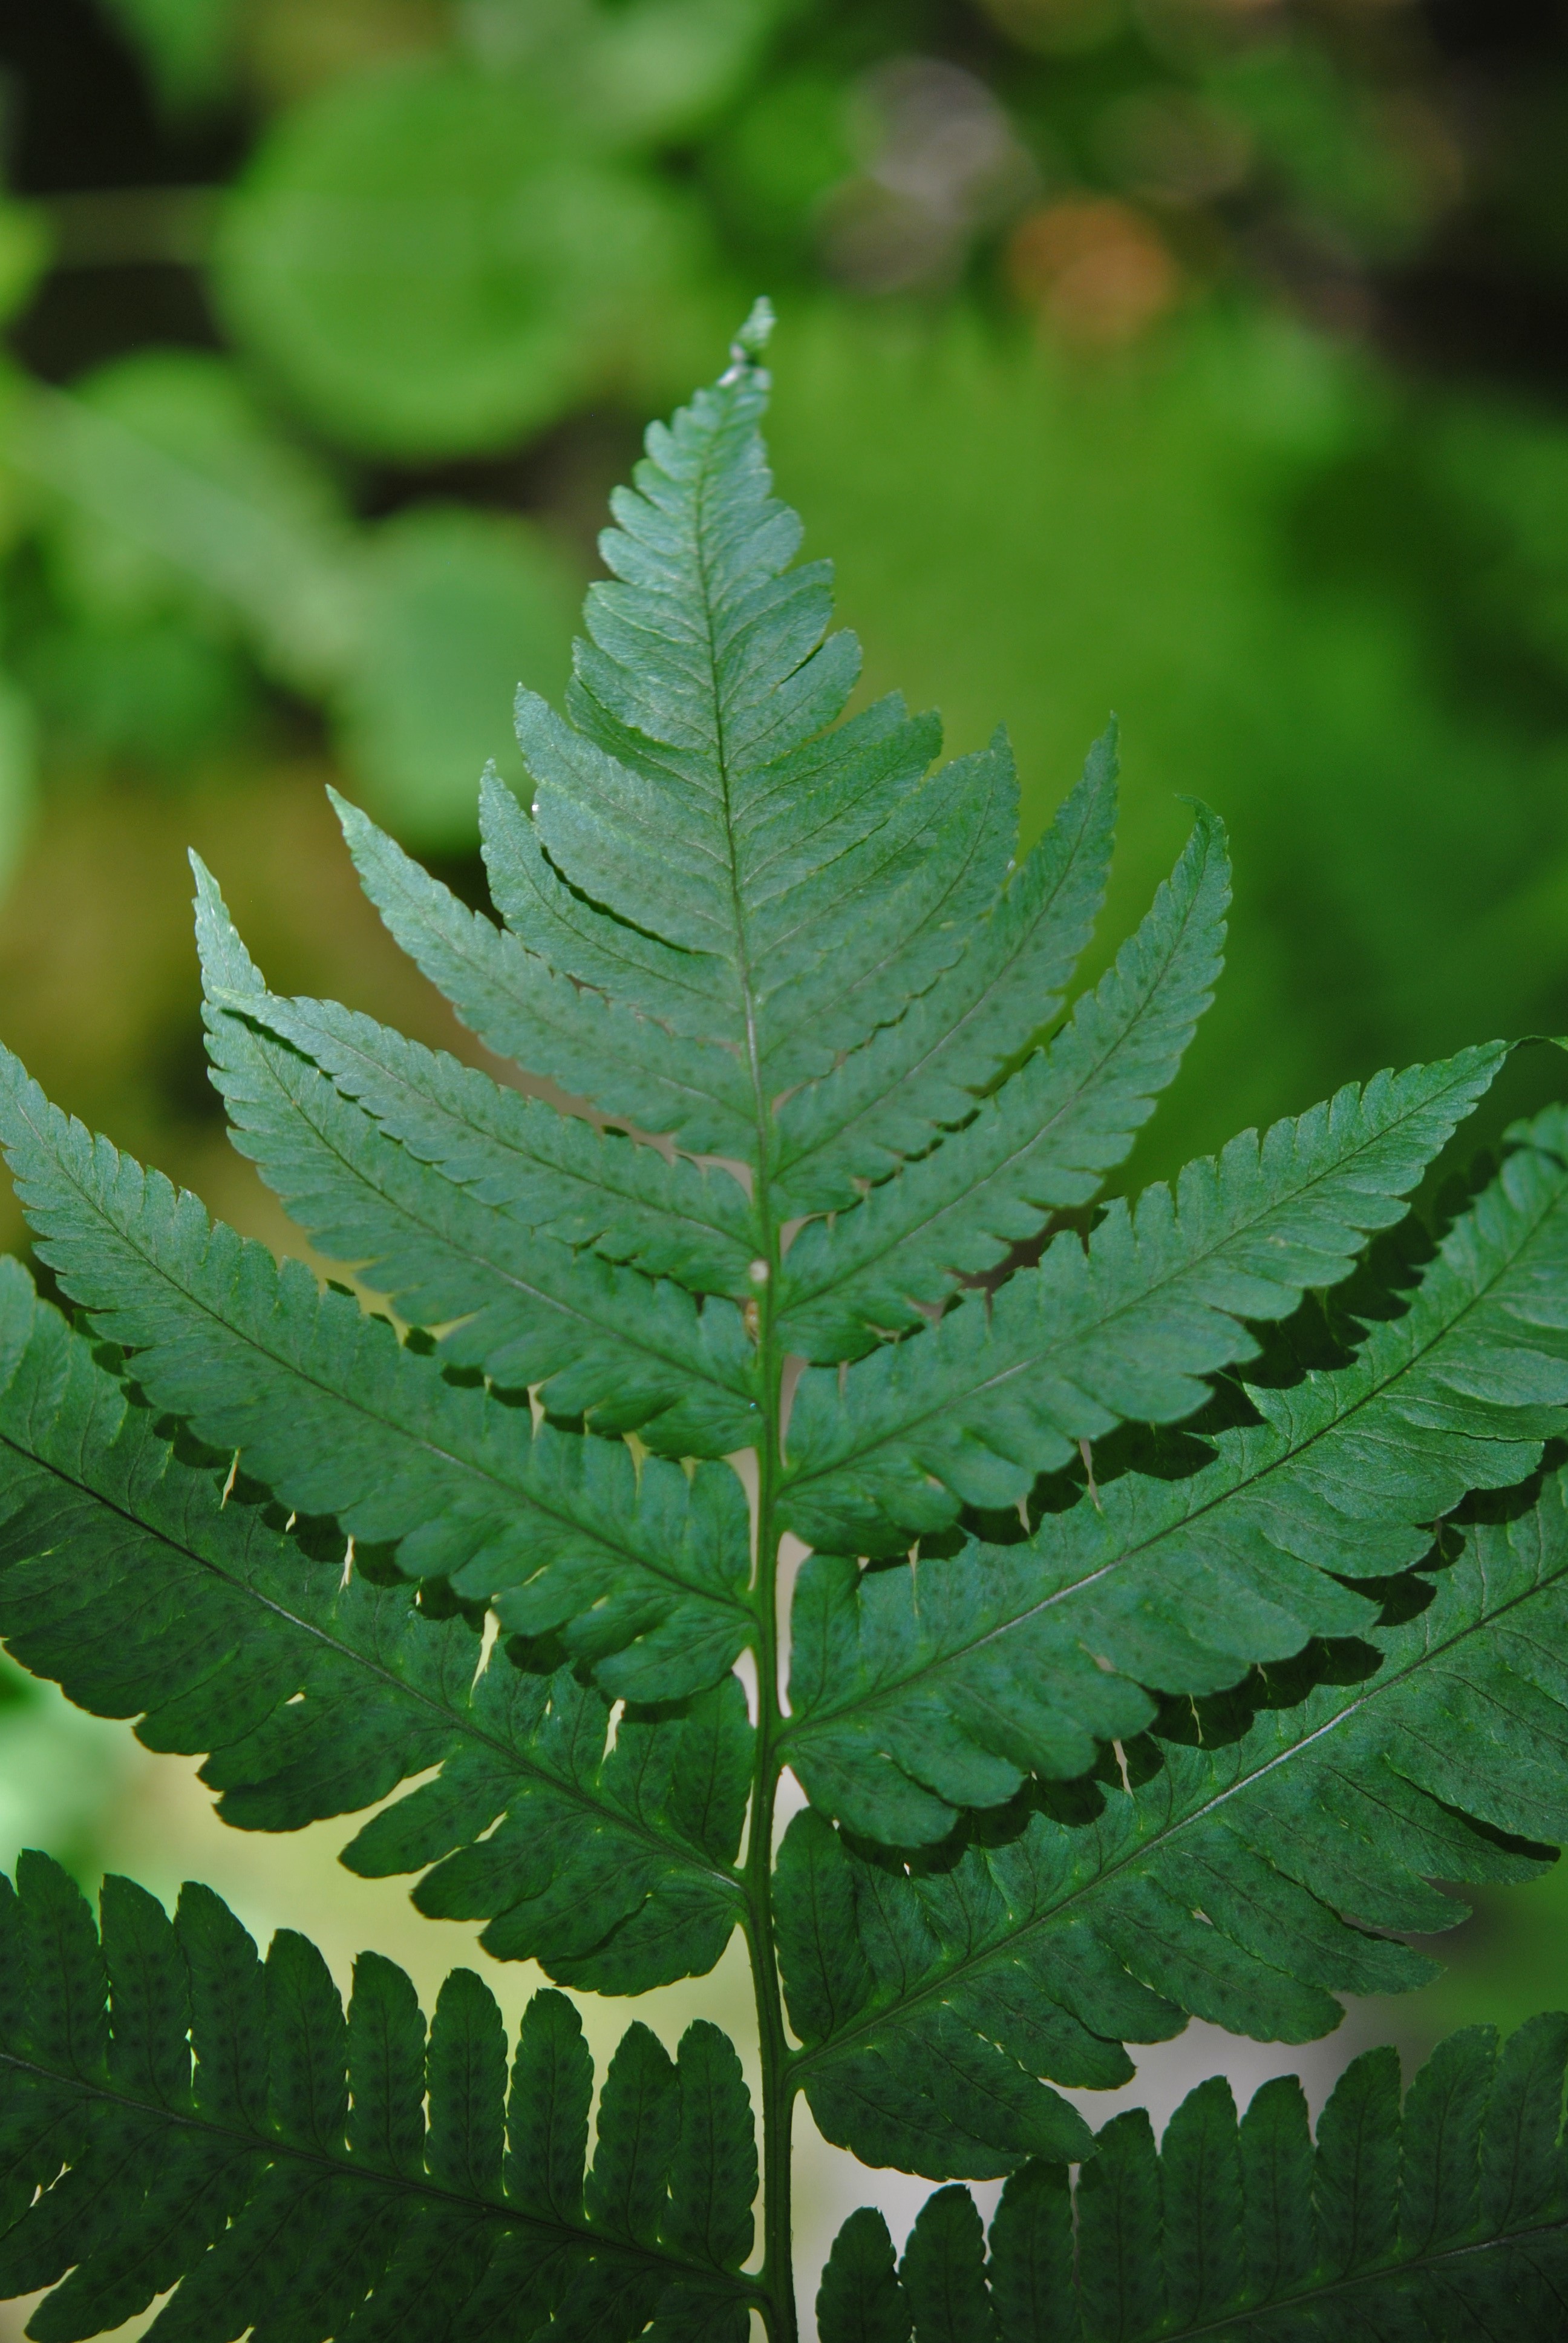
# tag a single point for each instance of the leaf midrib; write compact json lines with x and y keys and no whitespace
{"x":1289,"y":1455}
{"x":938,"y":1988}
{"x":1227,"y":2323}
{"x":341,"y":2167}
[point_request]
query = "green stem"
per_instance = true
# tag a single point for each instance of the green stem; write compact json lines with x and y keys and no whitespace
{"x":778,"y":2275}
{"x":773,"y":2046}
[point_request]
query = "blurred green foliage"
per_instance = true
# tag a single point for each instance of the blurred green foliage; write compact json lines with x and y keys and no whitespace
{"x":1199,"y":358}
{"x":451,"y":230}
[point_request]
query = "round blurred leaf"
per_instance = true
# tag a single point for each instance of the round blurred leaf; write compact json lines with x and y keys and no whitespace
{"x":1374,"y":176}
{"x":663,"y":68}
{"x":157,"y":689}
{"x":457,"y":608}
{"x":188,"y":45}
{"x":177,"y":493}
{"x":431,"y":267}
{"x":637,"y":72}
{"x":771,"y":167}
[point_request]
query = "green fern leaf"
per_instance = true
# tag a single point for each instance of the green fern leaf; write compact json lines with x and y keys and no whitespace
{"x":890,"y":1098}
{"x":340,"y":2176}
{"x":973,"y":1410}
{"x":548,"y":1171}
{"x":1031,"y":2258}
{"x":860,"y":2299}
{"x":1044,"y":1140}
{"x":694,"y":731}
{"x":158,"y":1588}
{"x":593,"y":1338}
{"x":521,"y":1009}
{"x":943,"y":2272}
{"x":338,"y":1417}
{"x":714,"y":2173}
{"x":1213,"y":1883}
{"x":924,"y":1689}
{"x":1400,"y":2223}
{"x":1118,"y":2212}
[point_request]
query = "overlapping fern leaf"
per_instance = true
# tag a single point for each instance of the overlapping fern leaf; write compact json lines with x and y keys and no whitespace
{"x":1446,"y":2219}
{"x":1263,"y":1852}
{"x":919,"y":1692}
{"x":177,"y":2114}
{"x":1187,"y":1573}
{"x":152,"y":1583}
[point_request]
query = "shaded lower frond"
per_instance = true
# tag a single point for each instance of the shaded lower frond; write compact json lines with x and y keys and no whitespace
{"x":520,"y":1008}
{"x":930,"y":1686}
{"x":641,"y":1568}
{"x":1442,"y":2221}
{"x":175,"y":2114}
{"x":150,"y":1586}
{"x":1236,"y":1870}
{"x":1045,"y":1139}
{"x":972,"y":1411}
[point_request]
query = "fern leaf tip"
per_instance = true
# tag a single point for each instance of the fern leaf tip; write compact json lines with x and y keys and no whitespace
{"x":755,"y":332}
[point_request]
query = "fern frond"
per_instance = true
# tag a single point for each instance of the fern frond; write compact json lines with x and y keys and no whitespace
{"x":641,"y":1570}
{"x":150,"y":1585}
{"x":1214,"y":1882}
{"x":1446,"y":2217}
{"x":924,"y":1689}
{"x":1101,"y":1724}
{"x":696,"y":732}
{"x":888,"y":1099}
{"x":553,"y":1173}
{"x":1045,"y":1139}
{"x":972,"y":1411}
{"x":593,"y":1338}
{"x":193,"y":2119}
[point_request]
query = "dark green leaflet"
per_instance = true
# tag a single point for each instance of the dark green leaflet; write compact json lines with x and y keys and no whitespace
{"x":1087,"y":1916}
{"x":971,"y":1411}
{"x":126,"y":1574}
{"x":520,"y":1008}
{"x":195,"y":2120}
{"x":593,"y":1339}
{"x":970,"y":1671}
{"x":339,"y":1417}
{"x":1442,"y":2220}
{"x":1046,"y":1139}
